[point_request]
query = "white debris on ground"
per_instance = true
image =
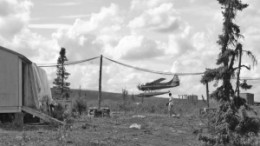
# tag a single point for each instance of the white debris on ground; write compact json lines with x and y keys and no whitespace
{"x":135,"y":126}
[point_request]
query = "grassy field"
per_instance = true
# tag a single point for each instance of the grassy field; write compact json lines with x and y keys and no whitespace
{"x":156,"y":127}
{"x":155,"y":130}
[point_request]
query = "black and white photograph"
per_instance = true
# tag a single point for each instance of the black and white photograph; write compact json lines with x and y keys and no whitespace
{"x":129,"y":73}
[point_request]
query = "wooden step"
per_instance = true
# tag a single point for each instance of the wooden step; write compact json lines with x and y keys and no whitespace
{"x":42,"y":116}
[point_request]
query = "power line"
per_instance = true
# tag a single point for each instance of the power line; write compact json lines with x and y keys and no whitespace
{"x":70,"y":63}
{"x":152,"y":71}
{"x":137,"y":68}
{"x":250,"y":79}
{"x":167,"y":73}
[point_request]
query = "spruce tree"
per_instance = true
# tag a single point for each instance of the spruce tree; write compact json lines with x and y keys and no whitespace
{"x":232,"y":125}
{"x":62,"y":75}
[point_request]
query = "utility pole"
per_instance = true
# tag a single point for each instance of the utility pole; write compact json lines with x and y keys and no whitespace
{"x":100,"y":82}
{"x":238,"y":72}
{"x":207,"y":93}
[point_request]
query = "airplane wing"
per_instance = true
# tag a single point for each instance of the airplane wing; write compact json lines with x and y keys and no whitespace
{"x":155,"y":82}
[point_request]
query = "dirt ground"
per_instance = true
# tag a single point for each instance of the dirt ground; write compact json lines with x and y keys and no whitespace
{"x":156,"y":130}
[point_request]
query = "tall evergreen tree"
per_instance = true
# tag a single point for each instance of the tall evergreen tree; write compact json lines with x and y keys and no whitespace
{"x":62,"y":74}
{"x":231,"y":126}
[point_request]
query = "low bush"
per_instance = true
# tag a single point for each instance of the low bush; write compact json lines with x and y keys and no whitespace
{"x":58,"y":112}
{"x":79,"y":106}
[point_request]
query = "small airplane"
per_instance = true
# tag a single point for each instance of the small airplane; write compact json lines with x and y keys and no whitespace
{"x":158,"y":84}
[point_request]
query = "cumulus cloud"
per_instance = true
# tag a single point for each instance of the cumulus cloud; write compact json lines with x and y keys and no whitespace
{"x":79,"y":46}
{"x":15,"y":35}
{"x":136,"y":47}
{"x":162,"y":18}
{"x":87,"y":38}
{"x":36,"y":47}
{"x":14,"y":16}
{"x":107,"y":18}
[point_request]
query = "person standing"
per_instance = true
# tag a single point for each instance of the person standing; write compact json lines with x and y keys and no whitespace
{"x":170,"y":105}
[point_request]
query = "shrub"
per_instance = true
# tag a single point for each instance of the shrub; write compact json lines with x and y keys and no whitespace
{"x":58,"y":112}
{"x":79,"y":105}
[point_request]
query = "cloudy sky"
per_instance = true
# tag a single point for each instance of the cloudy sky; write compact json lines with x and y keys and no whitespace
{"x":165,"y":35}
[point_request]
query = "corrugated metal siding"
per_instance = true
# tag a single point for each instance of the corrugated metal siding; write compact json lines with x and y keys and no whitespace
{"x":9,"y":79}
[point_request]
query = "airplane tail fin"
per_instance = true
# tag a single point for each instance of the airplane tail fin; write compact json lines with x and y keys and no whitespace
{"x":175,"y":80}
